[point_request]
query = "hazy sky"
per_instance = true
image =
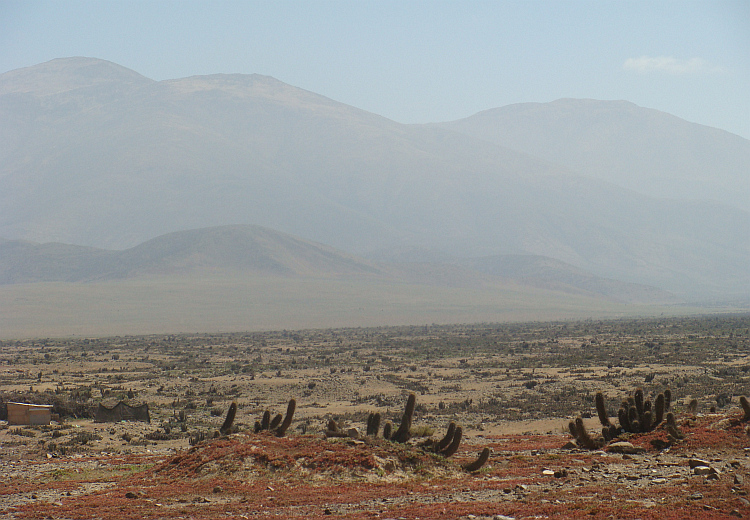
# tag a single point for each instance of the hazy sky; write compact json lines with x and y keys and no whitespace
{"x":419,"y":61}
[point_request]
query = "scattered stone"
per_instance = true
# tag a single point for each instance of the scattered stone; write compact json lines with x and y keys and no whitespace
{"x":695,"y":496}
{"x":218,"y":489}
{"x":702,"y":470}
{"x":738,"y":480}
{"x":625,"y":447}
{"x":548,"y":473}
{"x":562,"y":473}
{"x":698,"y":462}
{"x":130,"y":494}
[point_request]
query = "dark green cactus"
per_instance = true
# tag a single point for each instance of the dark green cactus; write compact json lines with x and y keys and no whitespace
{"x":445,"y":441}
{"x":291,"y":407}
{"x":481,"y":461}
{"x":373,"y":424}
{"x":636,"y":415}
{"x":402,"y":434}
{"x":275,"y":421}
{"x":659,"y":408}
{"x":745,"y":408}
{"x":265,"y":422}
{"x":455,"y":443}
{"x":601,"y":410}
{"x":387,"y":429}
{"x":227,"y":426}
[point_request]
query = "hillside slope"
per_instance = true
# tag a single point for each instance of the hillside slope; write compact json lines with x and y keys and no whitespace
{"x":644,"y":150}
{"x":100,"y":156}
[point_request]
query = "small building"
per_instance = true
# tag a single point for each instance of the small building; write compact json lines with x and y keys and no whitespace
{"x":25,"y":413}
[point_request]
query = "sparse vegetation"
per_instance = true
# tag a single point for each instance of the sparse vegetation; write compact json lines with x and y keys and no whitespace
{"x":464,"y":382}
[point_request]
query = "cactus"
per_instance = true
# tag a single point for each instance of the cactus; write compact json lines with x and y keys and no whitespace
{"x":639,"y":408}
{"x":280,"y":423}
{"x":578,"y":431}
{"x":636,"y":415}
{"x":445,"y":441}
{"x":275,"y":421}
{"x":745,"y":408}
{"x":481,"y":461}
{"x":387,"y":429}
{"x":622,"y":416}
{"x":402,"y":434}
{"x":601,"y":410}
{"x":373,"y":424}
{"x":227,"y":426}
{"x":659,"y":408}
{"x":455,"y":443}
{"x":291,"y":407}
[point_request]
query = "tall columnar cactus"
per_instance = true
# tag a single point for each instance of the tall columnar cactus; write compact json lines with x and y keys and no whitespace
{"x":402,"y":434}
{"x":279,"y":423}
{"x":275,"y":421}
{"x":287,"y":422}
{"x":445,"y":441}
{"x":660,"y":407}
{"x":455,"y":443}
{"x":373,"y":424}
{"x":601,"y":410}
{"x":227,"y":426}
{"x":265,"y":423}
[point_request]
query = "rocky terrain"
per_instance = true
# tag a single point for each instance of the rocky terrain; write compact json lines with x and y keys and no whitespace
{"x":512,"y":388}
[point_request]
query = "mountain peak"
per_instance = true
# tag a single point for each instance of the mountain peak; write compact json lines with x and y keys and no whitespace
{"x":66,"y":74}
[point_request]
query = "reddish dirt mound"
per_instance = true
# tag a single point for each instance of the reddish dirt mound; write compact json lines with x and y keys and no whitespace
{"x":260,"y":475}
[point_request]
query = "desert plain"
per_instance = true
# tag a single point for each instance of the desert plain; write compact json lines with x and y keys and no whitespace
{"x":512,"y":388}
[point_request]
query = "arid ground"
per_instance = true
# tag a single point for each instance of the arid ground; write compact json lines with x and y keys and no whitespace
{"x":513,"y":388}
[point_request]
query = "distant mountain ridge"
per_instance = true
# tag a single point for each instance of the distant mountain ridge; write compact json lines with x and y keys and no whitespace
{"x":94,"y":154}
{"x":226,"y":249}
{"x":646,"y":150}
{"x":241,"y":250}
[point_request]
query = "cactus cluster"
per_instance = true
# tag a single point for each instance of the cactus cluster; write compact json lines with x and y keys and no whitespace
{"x":636,"y":415}
{"x":446,"y":446}
{"x":279,"y":424}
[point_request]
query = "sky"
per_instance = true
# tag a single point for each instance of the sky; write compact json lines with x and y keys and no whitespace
{"x":419,"y":61}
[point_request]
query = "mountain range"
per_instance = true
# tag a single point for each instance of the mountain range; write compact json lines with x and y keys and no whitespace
{"x":95,"y":155}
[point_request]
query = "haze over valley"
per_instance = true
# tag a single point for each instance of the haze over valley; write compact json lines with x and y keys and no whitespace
{"x":577,"y":207}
